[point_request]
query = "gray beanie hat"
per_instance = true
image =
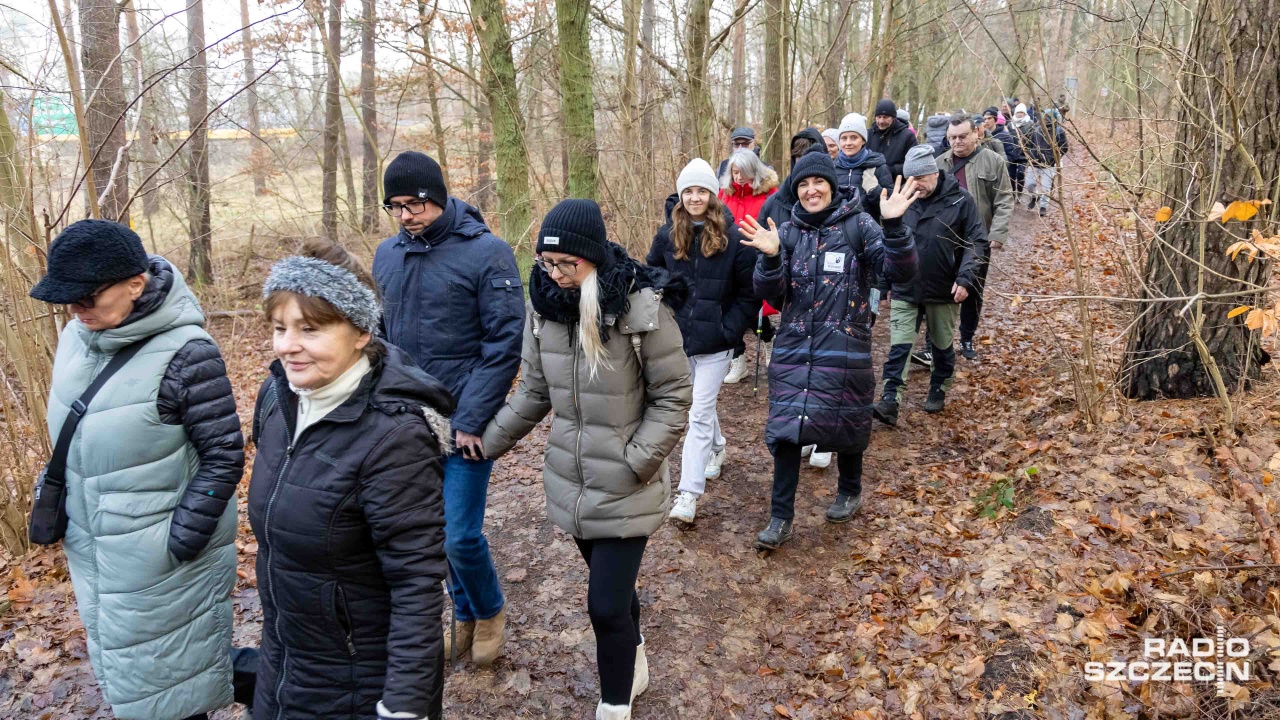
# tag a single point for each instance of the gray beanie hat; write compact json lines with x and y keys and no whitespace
{"x":337,"y":286}
{"x":920,"y":161}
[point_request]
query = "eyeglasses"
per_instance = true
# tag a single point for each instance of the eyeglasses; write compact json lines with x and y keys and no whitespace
{"x":741,"y":143}
{"x":88,"y":301}
{"x":396,"y":209}
{"x":567,"y":268}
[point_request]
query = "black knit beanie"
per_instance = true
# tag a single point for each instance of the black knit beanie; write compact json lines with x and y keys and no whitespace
{"x":87,"y":255}
{"x":993,"y":111}
{"x":576,"y":227}
{"x":417,"y":175}
{"x":886,"y":107}
{"x":813,"y":164}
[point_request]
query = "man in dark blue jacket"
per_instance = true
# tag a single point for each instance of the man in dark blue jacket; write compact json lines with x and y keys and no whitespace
{"x":452,"y":298}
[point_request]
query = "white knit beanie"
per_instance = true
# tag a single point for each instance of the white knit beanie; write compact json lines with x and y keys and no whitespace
{"x":853,"y":122}
{"x":1022,"y":108}
{"x":833,"y":134}
{"x":697,"y":173}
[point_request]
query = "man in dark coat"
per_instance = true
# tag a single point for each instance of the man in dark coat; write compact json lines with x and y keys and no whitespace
{"x":1044,"y":155}
{"x":891,"y":136}
{"x":951,"y":243}
{"x":453,"y":300}
{"x":778,"y":206}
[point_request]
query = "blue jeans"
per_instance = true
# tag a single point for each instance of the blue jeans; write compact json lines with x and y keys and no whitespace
{"x":472,"y":578}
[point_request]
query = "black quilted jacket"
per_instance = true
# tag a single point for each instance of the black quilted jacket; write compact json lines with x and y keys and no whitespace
{"x":350,"y":526}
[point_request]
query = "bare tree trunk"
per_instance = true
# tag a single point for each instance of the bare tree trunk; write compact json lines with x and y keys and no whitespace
{"x":433,"y":90}
{"x":370,"y":161}
{"x":775,"y":138}
{"x":577,"y":101}
{"x":489,"y":16}
{"x":1185,"y":349}
{"x":105,"y":107}
{"x":649,"y":174}
{"x":630,"y":36}
{"x":258,"y":158}
{"x":738,"y":84}
{"x":884,"y":64}
{"x":145,"y":141}
{"x":332,"y":125}
{"x":696,"y":138}
{"x":840,"y":21}
{"x":200,"y":268}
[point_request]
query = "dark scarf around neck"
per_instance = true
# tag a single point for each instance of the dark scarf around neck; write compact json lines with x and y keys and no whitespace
{"x":847,"y":162}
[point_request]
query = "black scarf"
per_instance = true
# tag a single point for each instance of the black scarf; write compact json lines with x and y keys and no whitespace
{"x":817,"y":219}
{"x":622,"y":277}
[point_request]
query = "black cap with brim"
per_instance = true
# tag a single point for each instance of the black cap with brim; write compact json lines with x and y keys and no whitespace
{"x":87,"y":255}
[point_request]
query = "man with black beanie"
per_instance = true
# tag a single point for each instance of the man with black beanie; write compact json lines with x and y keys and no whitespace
{"x":452,"y":298}
{"x":891,"y":136}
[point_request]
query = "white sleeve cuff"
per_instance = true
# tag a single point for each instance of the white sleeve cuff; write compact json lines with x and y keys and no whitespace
{"x":383,"y":712}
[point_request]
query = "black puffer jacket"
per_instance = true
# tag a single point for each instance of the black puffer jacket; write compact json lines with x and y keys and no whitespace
{"x":196,"y":394}
{"x":892,"y":143}
{"x":350,"y":527}
{"x":1040,"y":150}
{"x":1012,"y":149}
{"x":722,"y":302}
{"x":950,"y":240}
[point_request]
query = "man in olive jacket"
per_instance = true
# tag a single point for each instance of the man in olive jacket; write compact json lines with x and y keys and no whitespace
{"x":986,"y":176}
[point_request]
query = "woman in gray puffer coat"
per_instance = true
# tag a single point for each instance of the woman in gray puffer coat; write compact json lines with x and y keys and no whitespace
{"x":603,"y":351}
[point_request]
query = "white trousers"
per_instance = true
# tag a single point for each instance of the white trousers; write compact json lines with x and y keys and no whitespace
{"x":703,"y":436}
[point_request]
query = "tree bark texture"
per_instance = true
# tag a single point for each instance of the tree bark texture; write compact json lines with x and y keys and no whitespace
{"x":332,"y":125}
{"x":1235,"y":68}
{"x":775,"y":135}
{"x":577,"y":101}
{"x":105,"y":104}
{"x":425,"y":22}
{"x":258,"y":155}
{"x":738,"y":86}
{"x":145,"y":142}
{"x":200,"y":268}
{"x":696,"y":140}
{"x":508,"y":122}
{"x":370,"y":161}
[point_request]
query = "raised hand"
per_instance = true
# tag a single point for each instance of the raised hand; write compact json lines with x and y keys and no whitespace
{"x":895,"y":205}
{"x":764,"y":240}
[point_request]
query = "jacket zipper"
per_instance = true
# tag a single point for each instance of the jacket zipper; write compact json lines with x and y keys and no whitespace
{"x":349,"y":629}
{"x":271,"y":586}
{"x":574,"y":330}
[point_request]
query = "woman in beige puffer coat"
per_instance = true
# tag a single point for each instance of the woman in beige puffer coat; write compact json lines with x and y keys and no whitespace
{"x":603,"y":351}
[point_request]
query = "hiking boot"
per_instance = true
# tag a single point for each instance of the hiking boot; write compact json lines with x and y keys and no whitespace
{"x":967,"y":350}
{"x":605,"y":711}
{"x":1031,"y":203}
{"x":820,"y":460}
{"x":1044,"y":211}
{"x":772,"y":537}
{"x":715,"y":463}
{"x":923,"y":357}
{"x":936,"y":401}
{"x":807,"y":450}
{"x":685,"y":508}
{"x":737,"y":370}
{"x":465,"y":633}
{"x":640,"y":677}
{"x":843,"y":507}
{"x":886,"y":411}
{"x":486,"y":646}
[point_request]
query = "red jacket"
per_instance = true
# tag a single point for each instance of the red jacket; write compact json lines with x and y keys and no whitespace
{"x":742,"y":202}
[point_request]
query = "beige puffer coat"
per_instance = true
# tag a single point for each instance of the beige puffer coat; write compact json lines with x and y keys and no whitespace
{"x":605,"y":467}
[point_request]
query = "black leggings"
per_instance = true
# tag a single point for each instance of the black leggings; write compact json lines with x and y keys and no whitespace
{"x":614,"y":609}
{"x":786,"y":476}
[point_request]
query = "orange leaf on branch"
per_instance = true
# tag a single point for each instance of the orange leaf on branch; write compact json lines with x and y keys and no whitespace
{"x":1163,"y":214}
{"x":1242,"y":210}
{"x":1239,"y":311}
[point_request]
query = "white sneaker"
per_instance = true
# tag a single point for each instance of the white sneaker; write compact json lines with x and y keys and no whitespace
{"x":806,"y":450}
{"x":605,"y":711}
{"x":685,"y":508}
{"x":640,"y":678}
{"x":820,"y":459}
{"x":737,"y":370}
{"x":715,"y":463}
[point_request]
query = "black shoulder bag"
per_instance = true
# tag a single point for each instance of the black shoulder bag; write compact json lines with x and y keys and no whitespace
{"x":48,"y":522}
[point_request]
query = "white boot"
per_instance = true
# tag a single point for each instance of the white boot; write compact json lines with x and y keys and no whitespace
{"x":820,"y":459}
{"x":605,"y":711}
{"x":806,"y":450}
{"x":737,"y":370}
{"x":684,"y":509}
{"x":768,"y":353}
{"x":715,"y":463}
{"x":640,"y":678}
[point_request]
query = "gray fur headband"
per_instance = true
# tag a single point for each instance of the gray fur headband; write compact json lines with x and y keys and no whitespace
{"x":337,"y":286}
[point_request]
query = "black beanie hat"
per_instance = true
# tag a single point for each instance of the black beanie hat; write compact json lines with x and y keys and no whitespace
{"x":993,"y":111}
{"x":576,"y":227}
{"x":813,"y":164}
{"x":87,"y":255}
{"x":415,"y":174}
{"x":886,"y":107}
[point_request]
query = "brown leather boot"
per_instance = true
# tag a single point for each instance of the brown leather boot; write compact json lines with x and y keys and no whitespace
{"x":466,"y":633}
{"x":489,"y":636}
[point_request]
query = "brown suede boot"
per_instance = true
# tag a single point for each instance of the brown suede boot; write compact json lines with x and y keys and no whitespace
{"x":489,"y":636}
{"x":466,"y":633}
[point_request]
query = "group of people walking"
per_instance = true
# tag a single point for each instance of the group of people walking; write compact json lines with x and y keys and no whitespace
{"x":377,"y":426}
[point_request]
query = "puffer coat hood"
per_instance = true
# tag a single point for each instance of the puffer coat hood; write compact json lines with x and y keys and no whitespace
{"x":349,"y":519}
{"x":821,"y":380}
{"x":605,"y":467}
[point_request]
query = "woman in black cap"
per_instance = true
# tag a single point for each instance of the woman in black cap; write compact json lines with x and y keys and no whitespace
{"x":603,"y":352}
{"x":150,"y":474}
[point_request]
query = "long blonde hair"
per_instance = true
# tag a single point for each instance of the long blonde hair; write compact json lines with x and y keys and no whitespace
{"x":589,"y":326}
{"x":714,"y":236}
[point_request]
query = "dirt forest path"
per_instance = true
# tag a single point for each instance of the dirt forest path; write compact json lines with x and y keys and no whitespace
{"x":918,"y":608}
